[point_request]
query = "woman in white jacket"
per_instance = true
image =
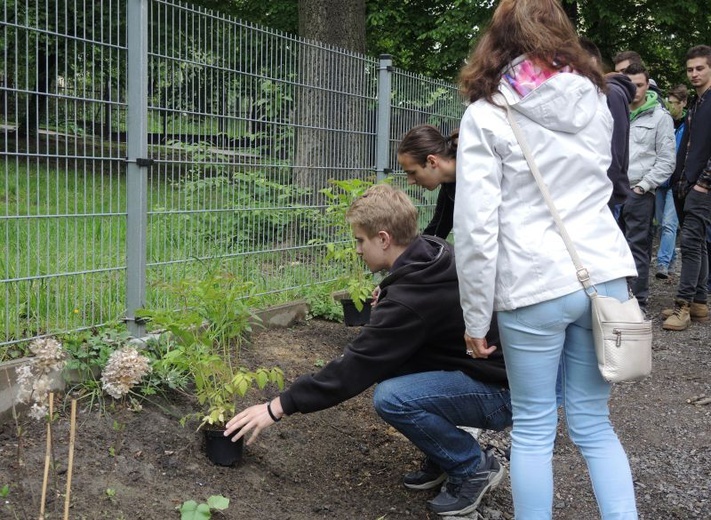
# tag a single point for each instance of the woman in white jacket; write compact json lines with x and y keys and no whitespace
{"x":511,"y":258}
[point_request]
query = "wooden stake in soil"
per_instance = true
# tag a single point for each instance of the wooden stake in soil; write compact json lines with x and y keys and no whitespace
{"x":70,"y":464}
{"x":47,"y":455}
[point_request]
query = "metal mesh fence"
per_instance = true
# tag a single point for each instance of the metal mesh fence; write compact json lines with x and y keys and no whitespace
{"x":62,"y":196}
{"x":207,"y":153}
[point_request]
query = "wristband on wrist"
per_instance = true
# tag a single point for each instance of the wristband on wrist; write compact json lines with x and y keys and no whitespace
{"x":271,"y":414}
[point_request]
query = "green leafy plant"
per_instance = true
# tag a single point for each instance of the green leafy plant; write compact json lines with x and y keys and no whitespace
{"x":356,"y":279}
{"x":237,"y":208}
{"x":209,"y":330}
{"x":191,"y":510}
{"x":321,"y":303}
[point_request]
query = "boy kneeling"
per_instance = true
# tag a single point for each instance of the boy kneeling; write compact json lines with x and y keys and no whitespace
{"x":413,"y":347}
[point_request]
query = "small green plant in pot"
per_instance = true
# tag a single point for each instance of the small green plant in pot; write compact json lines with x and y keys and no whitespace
{"x":209,"y":329}
{"x":356,"y":280}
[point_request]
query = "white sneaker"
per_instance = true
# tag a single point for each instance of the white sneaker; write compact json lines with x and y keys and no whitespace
{"x":474,"y":432}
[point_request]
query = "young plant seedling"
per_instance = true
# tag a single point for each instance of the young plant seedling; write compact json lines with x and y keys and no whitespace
{"x":191,"y":510}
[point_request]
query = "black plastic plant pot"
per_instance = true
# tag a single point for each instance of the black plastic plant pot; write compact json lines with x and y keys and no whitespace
{"x":352,"y":316}
{"x":221,"y":450}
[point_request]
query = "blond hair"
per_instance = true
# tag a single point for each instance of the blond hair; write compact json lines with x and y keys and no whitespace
{"x":384,"y":208}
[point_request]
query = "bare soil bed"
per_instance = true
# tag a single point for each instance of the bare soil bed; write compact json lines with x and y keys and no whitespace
{"x":345,"y":463}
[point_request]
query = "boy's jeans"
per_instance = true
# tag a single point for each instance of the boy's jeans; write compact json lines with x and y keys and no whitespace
{"x":668,"y":222}
{"x":694,"y":257}
{"x":636,"y":223}
{"x":427,"y":407}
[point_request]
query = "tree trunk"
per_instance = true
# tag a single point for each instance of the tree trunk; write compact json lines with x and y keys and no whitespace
{"x":335,"y":22}
{"x":36,"y":109}
{"x":330,"y":118}
{"x":571,"y":9}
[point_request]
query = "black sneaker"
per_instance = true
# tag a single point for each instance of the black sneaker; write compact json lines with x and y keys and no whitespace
{"x":428,"y":476}
{"x":463,"y":498}
{"x":662,"y":272}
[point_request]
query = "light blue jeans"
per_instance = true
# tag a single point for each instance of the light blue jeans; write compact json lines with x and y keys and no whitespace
{"x":536,"y":340}
{"x":668,"y":222}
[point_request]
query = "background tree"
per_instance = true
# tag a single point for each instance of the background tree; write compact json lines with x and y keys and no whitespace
{"x":319,"y":111}
{"x":433,"y":37}
{"x":661,"y":32}
{"x":430,"y":37}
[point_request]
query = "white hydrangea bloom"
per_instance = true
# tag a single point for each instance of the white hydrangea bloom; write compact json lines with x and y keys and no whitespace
{"x":25,"y":379}
{"x":38,"y":411}
{"x":124,"y":370}
{"x":49,"y":355}
{"x":33,"y":379}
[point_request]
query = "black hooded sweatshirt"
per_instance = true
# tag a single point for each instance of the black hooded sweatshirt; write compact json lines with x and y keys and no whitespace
{"x":417,"y":326}
{"x":620,"y":93}
{"x":693,"y":158}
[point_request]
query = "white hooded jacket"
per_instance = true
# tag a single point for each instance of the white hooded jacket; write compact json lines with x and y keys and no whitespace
{"x":508,"y":249}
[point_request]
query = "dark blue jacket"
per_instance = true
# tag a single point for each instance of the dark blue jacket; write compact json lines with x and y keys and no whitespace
{"x":620,"y":93}
{"x":692,"y":162}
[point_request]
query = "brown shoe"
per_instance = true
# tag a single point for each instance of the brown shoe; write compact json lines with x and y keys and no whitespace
{"x":680,"y":318}
{"x":697,"y":311}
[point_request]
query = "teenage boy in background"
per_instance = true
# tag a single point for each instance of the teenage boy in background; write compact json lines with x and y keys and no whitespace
{"x":652,"y":159}
{"x":691,"y":182}
{"x":664,"y":210}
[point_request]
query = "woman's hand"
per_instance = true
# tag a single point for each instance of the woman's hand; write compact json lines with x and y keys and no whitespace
{"x":255,"y":418}
{"x":477,"y":347}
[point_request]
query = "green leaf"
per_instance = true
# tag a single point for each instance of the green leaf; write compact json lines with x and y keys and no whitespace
{"x":191,"y":510}
{"x":262,"y":378}
{"x":218,"y":502}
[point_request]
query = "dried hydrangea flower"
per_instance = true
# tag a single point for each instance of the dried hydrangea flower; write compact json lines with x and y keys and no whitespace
{"x":38,"y":411}
{"x":49,"y":355}
{"x":33,"y":378}
{"x":124,"y":370}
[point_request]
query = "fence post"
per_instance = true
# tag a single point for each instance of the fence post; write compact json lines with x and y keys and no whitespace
{"x":138,"y":163}
{"x":382,"y":145}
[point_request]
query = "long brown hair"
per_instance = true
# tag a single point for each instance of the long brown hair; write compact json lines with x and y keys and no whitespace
{"x":424,"y":140}
{"x":539,"y":29}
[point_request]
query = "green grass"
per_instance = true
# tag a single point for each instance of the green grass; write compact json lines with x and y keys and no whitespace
{"x":63,"y":235}
{"x":63,"y":232}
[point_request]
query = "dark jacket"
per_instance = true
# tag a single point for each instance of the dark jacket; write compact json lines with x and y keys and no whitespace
{"x":692,"y":161}
{"x":620,"y":93}
{"x":443,"y":218}
{"x":417,"y":326}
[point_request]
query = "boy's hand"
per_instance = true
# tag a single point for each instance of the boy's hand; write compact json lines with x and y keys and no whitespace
{"x":375,"y":296}
{"x":255,"y":418}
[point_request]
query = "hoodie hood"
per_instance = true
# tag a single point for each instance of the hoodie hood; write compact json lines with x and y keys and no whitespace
{"x":621,"y":83}
{"x":564,"y":102}
{"x":649,"y":103}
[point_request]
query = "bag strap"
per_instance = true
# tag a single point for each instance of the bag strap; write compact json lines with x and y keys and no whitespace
{"x":580,"y":271}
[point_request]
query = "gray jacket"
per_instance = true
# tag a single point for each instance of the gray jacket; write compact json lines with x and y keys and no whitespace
{"x":652,"y":148}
